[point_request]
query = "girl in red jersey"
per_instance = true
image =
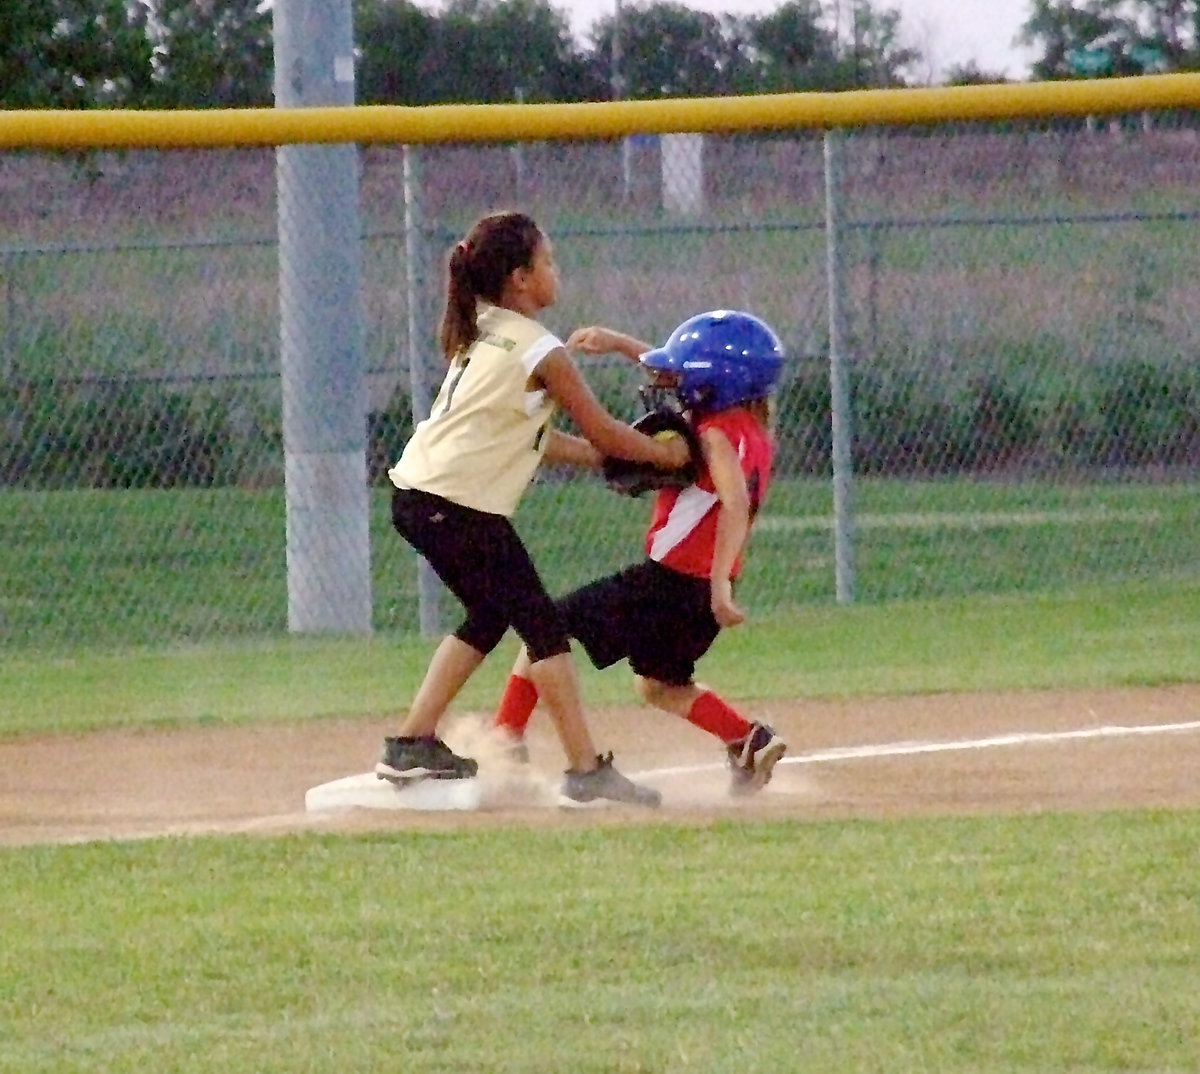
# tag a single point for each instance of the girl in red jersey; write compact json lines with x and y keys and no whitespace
{"x":664,"y":613}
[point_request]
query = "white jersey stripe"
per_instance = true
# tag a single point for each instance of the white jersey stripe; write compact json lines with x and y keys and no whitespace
{"x":687,"y":512}
{"x":530,"y":361}
{"x":537,"y":351}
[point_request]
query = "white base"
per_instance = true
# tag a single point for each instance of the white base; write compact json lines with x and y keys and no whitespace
{"x":368,"y":791}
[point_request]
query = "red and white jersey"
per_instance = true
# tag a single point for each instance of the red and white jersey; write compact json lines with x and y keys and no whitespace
{"x":683,"y":526}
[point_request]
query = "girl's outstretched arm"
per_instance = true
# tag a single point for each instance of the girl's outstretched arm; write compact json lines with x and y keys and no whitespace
{"x":610,"y":436}
{"x":596,"y":339}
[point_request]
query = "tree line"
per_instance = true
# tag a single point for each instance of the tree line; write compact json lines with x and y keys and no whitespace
{"x":218,"y":53}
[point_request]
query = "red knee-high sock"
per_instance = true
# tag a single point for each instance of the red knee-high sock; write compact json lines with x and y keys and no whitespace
{"x":516,"y":706}
{"x":711,"y":714}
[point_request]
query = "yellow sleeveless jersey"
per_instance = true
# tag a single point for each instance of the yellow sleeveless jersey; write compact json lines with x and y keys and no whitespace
{"x":485,"y":433}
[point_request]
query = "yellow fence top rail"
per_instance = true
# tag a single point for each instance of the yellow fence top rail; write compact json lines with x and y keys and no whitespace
{"x":114,"y":128}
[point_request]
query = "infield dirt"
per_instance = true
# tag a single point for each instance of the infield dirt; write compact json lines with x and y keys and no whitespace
{"x":254,"y":779}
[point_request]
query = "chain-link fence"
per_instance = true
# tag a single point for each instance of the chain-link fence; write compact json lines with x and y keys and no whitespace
{"x":1021,"y":319}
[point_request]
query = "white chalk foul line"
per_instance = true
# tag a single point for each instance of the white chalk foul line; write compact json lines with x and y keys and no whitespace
{"x":900,"y":749}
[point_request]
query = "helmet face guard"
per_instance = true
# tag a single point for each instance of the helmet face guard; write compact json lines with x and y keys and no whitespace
{"x":661,"y":392}
{"x":716,"y":360}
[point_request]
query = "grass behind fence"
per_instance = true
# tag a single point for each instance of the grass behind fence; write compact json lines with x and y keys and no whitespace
{"x":138,"y":567}
{"x":963,"y":282}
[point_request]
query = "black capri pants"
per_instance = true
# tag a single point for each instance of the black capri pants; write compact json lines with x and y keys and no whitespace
{"x":481,"y":560}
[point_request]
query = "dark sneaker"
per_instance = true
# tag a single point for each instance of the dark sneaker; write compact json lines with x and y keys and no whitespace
{"x":753,"y":759}
{"x":426,"y":757}
{"x":604,"y":781}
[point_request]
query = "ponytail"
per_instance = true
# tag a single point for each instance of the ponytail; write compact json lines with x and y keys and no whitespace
{"x":478,"y":267}
{"x":458,"y":323}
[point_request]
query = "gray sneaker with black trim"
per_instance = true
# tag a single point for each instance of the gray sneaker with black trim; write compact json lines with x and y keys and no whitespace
{"x":604,"y":781}
{"x":425,"y":757}
{"x":753,"y":759}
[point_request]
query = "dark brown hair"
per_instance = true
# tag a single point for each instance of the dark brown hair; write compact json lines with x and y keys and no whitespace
{"x":478,"y":267}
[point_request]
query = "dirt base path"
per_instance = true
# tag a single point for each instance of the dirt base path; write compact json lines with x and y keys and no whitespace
{"x":944,"y":754}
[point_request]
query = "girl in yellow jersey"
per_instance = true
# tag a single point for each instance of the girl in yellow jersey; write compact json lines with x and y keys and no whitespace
{"x":462,"y":475}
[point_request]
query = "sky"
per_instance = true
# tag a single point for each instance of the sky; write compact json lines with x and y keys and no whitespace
{"x":948,"y":32}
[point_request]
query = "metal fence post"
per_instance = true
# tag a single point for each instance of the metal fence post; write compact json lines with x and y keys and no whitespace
{"x":8,"y":368}
{"x":839,"y":386}
{"x":422,"y":331}
{"x":321,"y":332}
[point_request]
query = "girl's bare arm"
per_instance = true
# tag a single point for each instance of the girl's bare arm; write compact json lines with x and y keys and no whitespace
{"x":733,"y":522}
{"x":572,"y":450}
{"x":610,"y":436}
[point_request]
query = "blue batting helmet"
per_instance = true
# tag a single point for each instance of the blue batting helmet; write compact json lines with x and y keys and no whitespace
{"x":720,"y":359}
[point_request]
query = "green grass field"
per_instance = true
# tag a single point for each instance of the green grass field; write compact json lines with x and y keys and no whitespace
{"x":1054,"y":943}
{"x":143,"y":567}
{"x":1035,"y":944}
{"x":1132,"y":634}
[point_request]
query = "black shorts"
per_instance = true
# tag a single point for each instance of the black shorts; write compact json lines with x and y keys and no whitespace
{"x":658,"y":619}
{"x":481,"y":560}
